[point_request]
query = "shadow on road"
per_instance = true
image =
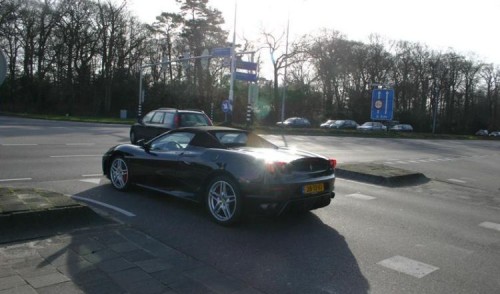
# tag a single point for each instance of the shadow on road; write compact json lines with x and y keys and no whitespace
{"x":288,"y":254}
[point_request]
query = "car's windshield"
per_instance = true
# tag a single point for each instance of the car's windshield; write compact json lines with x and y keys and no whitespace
{"x":191,"y":119}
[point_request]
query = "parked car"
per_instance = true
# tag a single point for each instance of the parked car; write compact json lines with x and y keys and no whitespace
{"x":231,"y":171}
{"x":344,"y":124}
{"x":401,"y":128}
{"x":294,"y":122}
{"x":372,"y":126}
{"x":390,"y":123}
{"x":494,"y":134}
{"x":161,"y":120}
{"x":482,"y":133}
{"x":327,"y":124}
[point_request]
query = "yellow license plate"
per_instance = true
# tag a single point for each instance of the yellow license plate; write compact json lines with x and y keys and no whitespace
{"x":313,"y":188}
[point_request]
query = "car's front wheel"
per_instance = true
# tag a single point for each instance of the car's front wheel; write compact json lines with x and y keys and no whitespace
{"x":119,"y":174}
{"x":223,"y":200}
{"x":133,"y":137}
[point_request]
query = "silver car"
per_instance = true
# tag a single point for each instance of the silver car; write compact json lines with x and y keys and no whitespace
{"x":372,"y":126}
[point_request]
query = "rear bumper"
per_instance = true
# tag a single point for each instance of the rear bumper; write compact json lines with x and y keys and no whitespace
{"x":278,"y":200}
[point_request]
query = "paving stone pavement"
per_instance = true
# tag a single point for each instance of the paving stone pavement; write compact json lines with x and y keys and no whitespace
{"x":107,"y":259}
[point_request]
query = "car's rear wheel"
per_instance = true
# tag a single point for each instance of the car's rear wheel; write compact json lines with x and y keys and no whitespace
{"x":223,"y":200}
{"x":119,"y":174}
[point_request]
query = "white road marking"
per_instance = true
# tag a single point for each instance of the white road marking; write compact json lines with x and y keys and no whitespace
{"x":12,"y":180}
{"x":80,"y":144}
{"x":93,"y":175}
{"x":490,"y":225}
{"x":19,"y":144}
{"x":71,"y":156}
{"x":117,"y":209}
{"x":360,"y":196}
{"x":408,"y":266}
{"x":457,"y":181}
{"x":358,"y":183}
{"x":96,"y":181}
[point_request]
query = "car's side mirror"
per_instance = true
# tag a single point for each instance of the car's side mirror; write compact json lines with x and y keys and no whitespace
{"x":142,"y":143}
{"x":140,"y":120}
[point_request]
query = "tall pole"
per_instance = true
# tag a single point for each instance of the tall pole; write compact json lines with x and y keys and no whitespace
{"x":285,"y":80}
{"x":139,"y":110}
{"x":233,"y":57}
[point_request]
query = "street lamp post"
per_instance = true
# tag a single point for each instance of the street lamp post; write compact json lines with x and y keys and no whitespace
{"x":285,"y":78}
{"x":233,"y":62}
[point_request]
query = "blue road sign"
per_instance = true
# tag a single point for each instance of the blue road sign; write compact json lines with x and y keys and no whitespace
{"x":226,"y":106}
{"x":221,"y":52}
{"x":246,"y":65}
{"x":382,"y":104}
{"x":245,"y":77}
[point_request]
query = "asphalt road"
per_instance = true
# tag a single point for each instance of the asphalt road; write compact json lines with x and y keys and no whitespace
{"x":440,"y":237}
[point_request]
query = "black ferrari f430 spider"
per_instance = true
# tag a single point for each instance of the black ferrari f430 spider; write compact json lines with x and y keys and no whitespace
{"x":229,"y":170}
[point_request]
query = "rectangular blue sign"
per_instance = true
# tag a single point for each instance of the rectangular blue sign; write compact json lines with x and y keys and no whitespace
{"x":245,"y":77}
{"x":221,"y":52}
{"x":382,"y":107}
{"x":246,"y":65}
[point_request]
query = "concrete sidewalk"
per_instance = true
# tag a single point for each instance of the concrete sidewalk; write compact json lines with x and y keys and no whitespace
{"x":52,"y":244}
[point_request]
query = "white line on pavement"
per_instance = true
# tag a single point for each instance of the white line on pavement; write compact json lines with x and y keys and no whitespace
{"x":360,"y":196}
{"x":457,"y":181}
{"x":117,"y":209}
{"x":358,"y":183}
{"x":408,"y":266}
{"x":19,"y":144}
{"x":95,"y":181}
{"x":490,"y":225}
{"x":12,"y":180}
{"x":92,"y":175}
{"x":70,"y":156}
{"x":80,"y":144}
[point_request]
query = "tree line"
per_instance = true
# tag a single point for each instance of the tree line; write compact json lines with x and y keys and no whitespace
{"x":87,"y":57}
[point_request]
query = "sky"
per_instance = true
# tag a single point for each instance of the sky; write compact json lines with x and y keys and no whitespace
{"x":471,"y":28}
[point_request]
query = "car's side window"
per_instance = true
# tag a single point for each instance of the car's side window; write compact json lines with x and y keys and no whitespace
{"x":147,"y":117}
{"x":157,"y":117}
{"x":192,"y":119}
{"x":172,"y":142}
{"x":168,"y":121}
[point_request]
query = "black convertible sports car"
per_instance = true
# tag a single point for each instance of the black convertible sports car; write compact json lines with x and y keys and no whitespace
{"x":229,"y":170}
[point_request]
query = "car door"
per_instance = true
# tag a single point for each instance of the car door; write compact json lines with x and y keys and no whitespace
{"x":166,"y":173}
{"x":197,"y":161}
{"x":155,"y":126}
{"x":140,"y":128}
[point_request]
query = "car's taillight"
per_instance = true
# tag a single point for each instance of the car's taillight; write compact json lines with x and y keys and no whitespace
{"x":333,"y":163}
{"x":275,"y":167}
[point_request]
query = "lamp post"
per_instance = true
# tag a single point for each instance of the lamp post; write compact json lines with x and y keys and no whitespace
{"x":285,"y":78}
{"x":233,"y":61}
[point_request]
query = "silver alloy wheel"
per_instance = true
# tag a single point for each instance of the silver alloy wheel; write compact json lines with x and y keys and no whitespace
{"x":222,"y":201}
{"x":119,"y":173}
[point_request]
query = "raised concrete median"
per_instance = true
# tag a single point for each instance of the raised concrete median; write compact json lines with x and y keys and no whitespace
{"x":27,"y":213}
{"x":380,"y":174}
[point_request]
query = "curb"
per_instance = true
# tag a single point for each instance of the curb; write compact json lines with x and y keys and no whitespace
{"x":27,"y":213}
{"x":379,"y":174}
